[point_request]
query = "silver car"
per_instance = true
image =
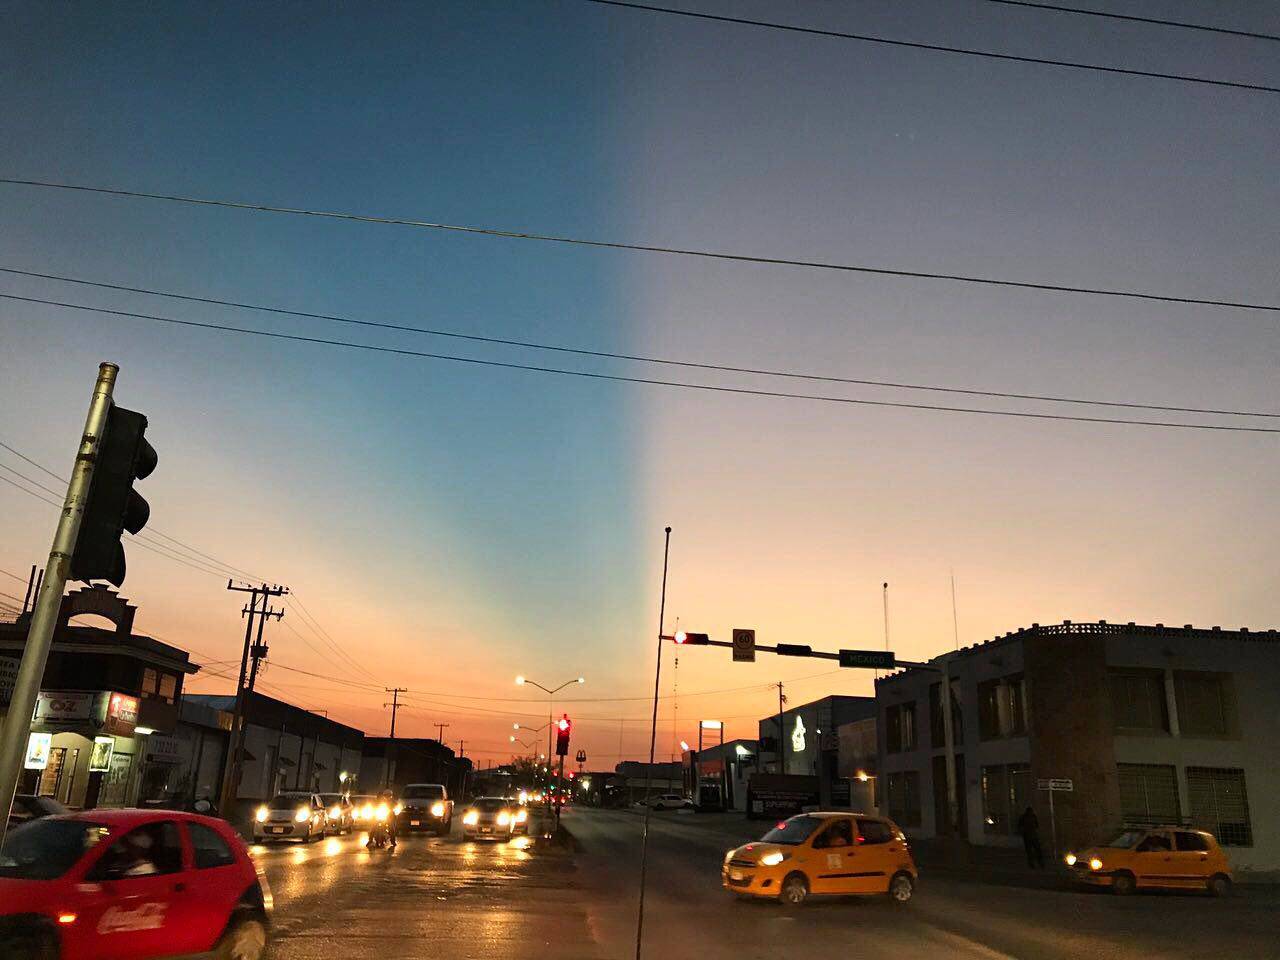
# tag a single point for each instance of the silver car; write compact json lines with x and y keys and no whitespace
{"x":291,"y":816}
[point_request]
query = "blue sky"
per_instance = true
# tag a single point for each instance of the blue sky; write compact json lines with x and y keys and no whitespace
{"x":455,"y":526}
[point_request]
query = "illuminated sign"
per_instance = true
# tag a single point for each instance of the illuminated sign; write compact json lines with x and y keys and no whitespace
{"x":712,"y":725}
{"x":797,"y":735}
{"x":121,"y":714}
{"x":100,"y":759}
{"x":38,"y":747}
{"x":61,"y":706}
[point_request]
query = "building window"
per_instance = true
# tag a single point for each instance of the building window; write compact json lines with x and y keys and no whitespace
{"x":159,"y":686}
{"x":1148,"y":793}
{"x":1220,"y":804}
{"x":1138,"y":702}
{"x":937,"y":730}
{"x":1205,"y":704}
{"x":1002,"y":708}
{"x":1006,"y":792}
{"x":904,"y":798}
{"x":900,"y":727}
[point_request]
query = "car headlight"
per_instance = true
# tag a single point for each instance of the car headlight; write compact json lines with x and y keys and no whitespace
{"x":470,"y":818}
{"x":1071,"y":859}
{"x":303,"y":815}
{"x":367,"y":812}
{"x":397,"y":809}
{"x":504,"y":818}
{"x":336,"y":813}
{"x":1095,"y":864}
{"x":261,"y":815}
{"x":437,"y":809}
{"x":522,"y":816}
{"x":772,"y":859}
{"x":382,"y":811}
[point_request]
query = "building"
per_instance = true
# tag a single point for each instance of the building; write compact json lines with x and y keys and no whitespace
{"x":285,"y":747}
{"x":810,"y":739}
{"x":724,"y":769}
{"x":1137,"y":724}
{"x":387,"y":762}
{"x":633,"y":781}
{"x":107,"y":701}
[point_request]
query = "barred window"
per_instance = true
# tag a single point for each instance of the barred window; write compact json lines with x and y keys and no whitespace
{"x":900,"y":727}
{"x":1205,"y":703}
{"x":1148,"y":793}
{"x":904,"y":798}
{"x":1138,"y":702}
{"x":1220,"y":804}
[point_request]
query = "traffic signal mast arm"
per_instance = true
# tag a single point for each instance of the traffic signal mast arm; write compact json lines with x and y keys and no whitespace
{"x":802,"y":650}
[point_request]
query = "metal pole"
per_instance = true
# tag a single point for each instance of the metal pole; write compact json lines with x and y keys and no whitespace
{"x":1053,"y":825}
{"x":782,"y":756}
{"x":948,"y":731}
{"x":44,"y":617}
{"x":653,"y":740}
{"x":231,"y":781}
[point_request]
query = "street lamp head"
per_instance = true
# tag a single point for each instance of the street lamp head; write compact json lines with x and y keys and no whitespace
{"x":519,"y":681}
{"x":515,"y":726}
{"x":684,"y":745}
{"x":512,"y":738}
{"x":582,"y":679}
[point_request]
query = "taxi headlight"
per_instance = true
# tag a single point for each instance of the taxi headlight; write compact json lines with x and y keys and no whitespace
{"x":1071,"y":859}
{"x":522,"y":816}
{"x":336,"y":813}
{"x":772,"y":859}
{"x":303,"y":815}
{"x":504,"y":818}
{"x":470,"y":818}
{"x":437,"y":809}
{"x":1095,"y":864}
{"x":262,"y":814}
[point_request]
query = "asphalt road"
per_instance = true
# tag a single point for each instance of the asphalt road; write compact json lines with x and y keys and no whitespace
{"x":448,"y":898}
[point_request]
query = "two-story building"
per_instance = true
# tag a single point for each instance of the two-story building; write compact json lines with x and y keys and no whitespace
{"x":104,"y":693}
{"x":1136,"y":724}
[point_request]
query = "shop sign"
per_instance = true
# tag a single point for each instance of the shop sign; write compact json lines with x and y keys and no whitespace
{"x":8,"y":677}
{"x":56,"y":706}
{"x":779,"y":796}
{"x":38,"y":747}
{"x":121,"y":714}
{"x":100,"y":759}
{"x":163,"y":749}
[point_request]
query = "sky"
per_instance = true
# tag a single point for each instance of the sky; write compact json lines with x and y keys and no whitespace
{"x":449,"y":526}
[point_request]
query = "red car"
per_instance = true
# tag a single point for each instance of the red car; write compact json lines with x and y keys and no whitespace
{"x":130,"y":885}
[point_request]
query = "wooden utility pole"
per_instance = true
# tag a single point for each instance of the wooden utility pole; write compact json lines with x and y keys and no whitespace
{"x":394,"y":705}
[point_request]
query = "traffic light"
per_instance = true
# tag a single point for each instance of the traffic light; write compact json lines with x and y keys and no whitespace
{"x":563,"y":727}
{"x":113,"y":505}
{"x":692,"y":639}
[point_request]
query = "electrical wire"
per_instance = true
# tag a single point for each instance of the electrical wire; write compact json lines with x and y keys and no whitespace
{"x":647,"y":248}
{"x":937,"y":47}
{"x":666,"y":361}
{"x":14,"y":575}
{"x":1056,"y":8}
{"x":650,"y":381}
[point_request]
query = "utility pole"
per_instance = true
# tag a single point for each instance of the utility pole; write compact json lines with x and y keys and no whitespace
{"x":16,"y":729}
{"x":257,"y":651}
{"x":462,"y":748}
{"x":394,"y":705}
{"x":782,"y":755}
{"x":441,"y":727}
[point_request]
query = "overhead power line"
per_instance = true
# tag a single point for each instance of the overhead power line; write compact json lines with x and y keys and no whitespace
{"x":937,"y":47}
{"x":648,"y":248}
{"x":1056,"y":8}
{"x":650,"y":381}
{"x":638,"y":358}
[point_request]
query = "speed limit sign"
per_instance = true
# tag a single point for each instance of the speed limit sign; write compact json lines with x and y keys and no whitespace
{"x":744,"y":645}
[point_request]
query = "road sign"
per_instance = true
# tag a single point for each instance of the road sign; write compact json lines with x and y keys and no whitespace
{"x":794,"y":650}
{"x":873,"y":659}
{"x":744,"y":646}
{"x":1056,"y":785}
{"x":582,"y":756}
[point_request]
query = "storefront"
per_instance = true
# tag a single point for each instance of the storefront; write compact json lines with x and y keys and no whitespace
{"x":83,"y":748}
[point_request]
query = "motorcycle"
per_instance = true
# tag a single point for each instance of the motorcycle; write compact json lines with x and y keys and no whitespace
{"x":380,"y":830}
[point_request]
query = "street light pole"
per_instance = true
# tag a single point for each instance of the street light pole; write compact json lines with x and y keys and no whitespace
{"x":522,"y":680}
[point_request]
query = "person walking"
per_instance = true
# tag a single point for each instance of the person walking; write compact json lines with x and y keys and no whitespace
{"x":1029,"y":827}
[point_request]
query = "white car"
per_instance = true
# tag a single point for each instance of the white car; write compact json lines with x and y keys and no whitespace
{"x":671,"y":801}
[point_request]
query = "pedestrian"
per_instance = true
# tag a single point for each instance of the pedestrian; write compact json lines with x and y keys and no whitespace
{"x":1029,"y":827}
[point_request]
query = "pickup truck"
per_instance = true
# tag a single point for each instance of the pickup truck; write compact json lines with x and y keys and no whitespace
{"x":426,"y":806}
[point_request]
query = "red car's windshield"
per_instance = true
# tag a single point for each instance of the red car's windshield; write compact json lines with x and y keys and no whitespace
{"x":46,"y":849}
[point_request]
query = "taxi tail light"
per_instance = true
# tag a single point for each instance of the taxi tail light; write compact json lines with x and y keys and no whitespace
{"x":66,"y":918}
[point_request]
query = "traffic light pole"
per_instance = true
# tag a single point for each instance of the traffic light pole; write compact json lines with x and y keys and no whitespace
{"x":44,"y":616}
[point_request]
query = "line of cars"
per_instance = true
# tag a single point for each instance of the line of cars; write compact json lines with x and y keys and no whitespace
{"x":844,"y":854}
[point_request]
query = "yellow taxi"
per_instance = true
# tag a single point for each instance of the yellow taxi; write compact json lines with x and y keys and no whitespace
{"x":823,"y":854}
{"x":1165,"y":858}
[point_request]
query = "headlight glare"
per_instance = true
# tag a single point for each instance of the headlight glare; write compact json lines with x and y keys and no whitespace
{"x":772,"y":859}
{"x":1071,"y":859}
{"x":1095,"y":864}
{"x":303,"y":814}
{"x":471,"y":818}
{"x":437,"y":809}
{"x":504,"y":818}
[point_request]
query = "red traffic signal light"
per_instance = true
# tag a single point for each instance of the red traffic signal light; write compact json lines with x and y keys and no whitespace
{"x":563,"y":728}
{"x":690,"y":639}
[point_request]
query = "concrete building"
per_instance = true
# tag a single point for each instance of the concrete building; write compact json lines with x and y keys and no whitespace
{"x":810,"y":738}
{"x":724,"y":769}
{"x":393,"y":763}
{"x":287,"y":747}
{"x":1148,"y":723}
{"x":108,"y":700}
{"x":634,"y":780}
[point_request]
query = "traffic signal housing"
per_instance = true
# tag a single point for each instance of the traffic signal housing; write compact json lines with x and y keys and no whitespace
{"x":692,"y":639}
{"x":564,"y":726}
{"x":113,"y":506}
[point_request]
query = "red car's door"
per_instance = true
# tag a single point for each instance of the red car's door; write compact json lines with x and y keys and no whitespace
{"x":217,"y":879}
{"x":133,"y":895}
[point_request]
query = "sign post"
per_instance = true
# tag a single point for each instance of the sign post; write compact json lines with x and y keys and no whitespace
{"x":1054,"y":785}
{"x":744,"y":645}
